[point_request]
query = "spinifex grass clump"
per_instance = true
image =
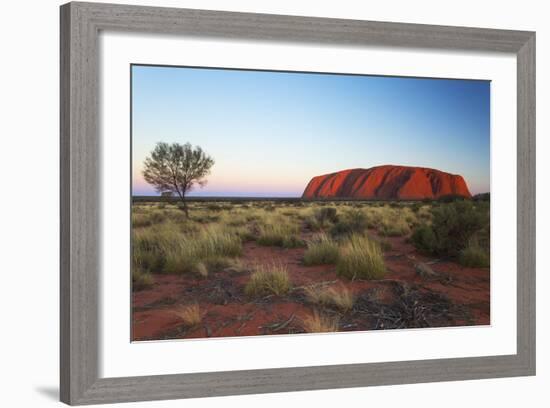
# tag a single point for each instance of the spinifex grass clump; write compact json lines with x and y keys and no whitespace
{"x":190,"y":315}
{"x":165,"y":249}
{"x":338,"y":297}
{"x":394,"y":227}
{"x":361,"y":258}
{"x":147,"y":217}
{"x":276,"y":232}
{"x":268,"y":280}
{"x":140,"y":278}
{"x":211,"y":248}
{"x":321,"y":251}
{"x":319,"y":323}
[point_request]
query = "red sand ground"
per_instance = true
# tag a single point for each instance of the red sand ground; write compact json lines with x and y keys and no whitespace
{"x":226,"y":311}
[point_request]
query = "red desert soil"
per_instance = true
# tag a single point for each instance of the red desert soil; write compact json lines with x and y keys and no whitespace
{"x":387,"y":183}
{"x":453,"y":296}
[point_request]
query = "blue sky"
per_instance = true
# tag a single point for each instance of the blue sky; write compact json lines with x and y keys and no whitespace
{"x":271,"y":132}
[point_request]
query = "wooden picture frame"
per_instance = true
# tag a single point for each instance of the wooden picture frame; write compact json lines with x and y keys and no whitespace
{"x":81,"y":24}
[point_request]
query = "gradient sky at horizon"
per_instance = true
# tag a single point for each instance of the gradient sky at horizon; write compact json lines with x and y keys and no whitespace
{"x":271,"y":132}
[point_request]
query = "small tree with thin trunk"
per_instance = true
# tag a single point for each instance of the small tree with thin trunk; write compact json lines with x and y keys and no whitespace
{"x":177,"y":168}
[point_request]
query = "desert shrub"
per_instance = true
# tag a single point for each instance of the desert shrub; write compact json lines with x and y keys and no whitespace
{"x":416,"y":206}
{"x":352,"y":221}
{"x":267,"y":280}
{"x":423,"y":238}
{"x":482,"y":197}
{"x":326,"y":214}
{"x":190,"y":315}
{"x":321,"y":218}
{"x":424,"y":213}
{"x":321,"y":251}
{"x":340,"y":298}
{"x":453,"y":225}
{"x":474,"y":256}
{"x":318,"y":323}
{"x":450,"y":198}
{"x":361,"y":258}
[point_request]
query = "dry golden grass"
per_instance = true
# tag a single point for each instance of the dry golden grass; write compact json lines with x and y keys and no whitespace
{"x":189,"y":314}
{"x":319,"y":323}
{"x":140,"y":278}
{"x":339,"y":297}
{"x":201,"y":269}
{"x":278,"y":231}
{"x":361,"y":258}
{"x":321,"y":251}
{"x":165,"y":249}
{"x":267,"y":280}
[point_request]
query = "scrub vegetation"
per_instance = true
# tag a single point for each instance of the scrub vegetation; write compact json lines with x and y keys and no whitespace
{"x":248,"y":267}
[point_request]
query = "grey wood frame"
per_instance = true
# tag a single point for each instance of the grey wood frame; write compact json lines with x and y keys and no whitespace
{"x":80,"y":234}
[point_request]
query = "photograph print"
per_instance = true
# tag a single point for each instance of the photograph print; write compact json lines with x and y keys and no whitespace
{"x":291,"y":203}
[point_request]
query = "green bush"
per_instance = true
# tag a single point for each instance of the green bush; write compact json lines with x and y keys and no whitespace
{"x":416,"y":206}
{"x":423,"y":238}
{"x":453,"y":225}
{"x":353,"y":221}
{"x":450,"y":198}
{"x":326,"y":214}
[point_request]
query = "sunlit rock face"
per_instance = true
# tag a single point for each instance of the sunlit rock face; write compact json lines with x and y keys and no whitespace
{"x":387,"y":183}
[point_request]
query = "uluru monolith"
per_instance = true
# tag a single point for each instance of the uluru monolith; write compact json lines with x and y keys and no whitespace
{"x":387,"y":182}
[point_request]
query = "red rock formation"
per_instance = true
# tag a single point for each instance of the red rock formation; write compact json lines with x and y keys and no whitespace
{"x":387,"y":183}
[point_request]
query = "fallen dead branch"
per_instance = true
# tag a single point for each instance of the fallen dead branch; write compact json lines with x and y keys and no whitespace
{"x":412,"y":308}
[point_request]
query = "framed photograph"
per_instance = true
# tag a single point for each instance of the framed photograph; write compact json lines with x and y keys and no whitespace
{"x":260,"y":203}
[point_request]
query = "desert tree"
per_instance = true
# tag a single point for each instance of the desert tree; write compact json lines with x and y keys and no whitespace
{"x":177,"y":168}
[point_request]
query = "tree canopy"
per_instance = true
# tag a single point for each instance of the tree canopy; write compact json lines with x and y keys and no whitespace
{"x":177,"y":168}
